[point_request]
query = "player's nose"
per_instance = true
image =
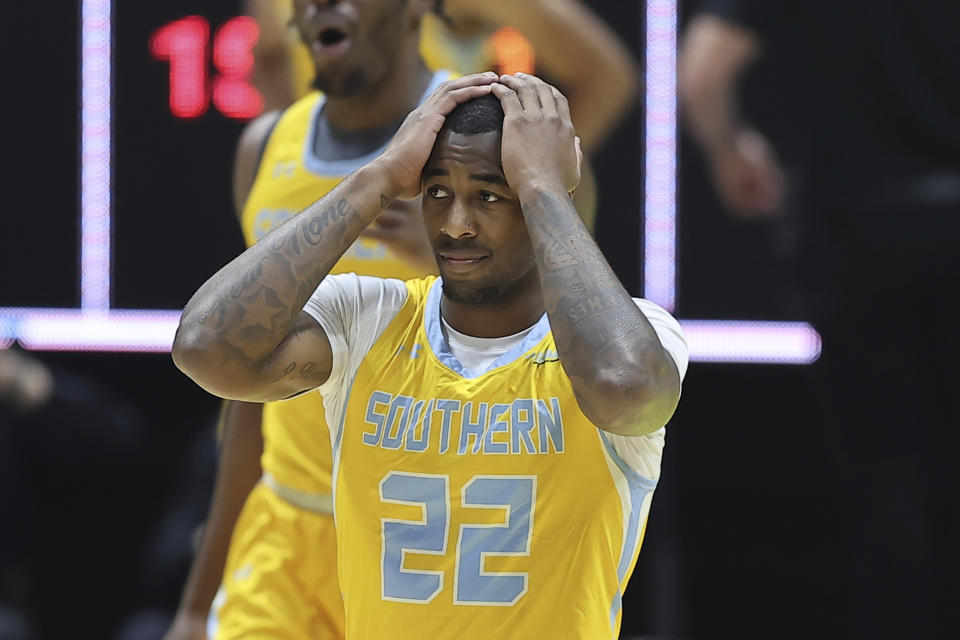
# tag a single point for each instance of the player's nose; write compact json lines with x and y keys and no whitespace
{"x":460,"y":221}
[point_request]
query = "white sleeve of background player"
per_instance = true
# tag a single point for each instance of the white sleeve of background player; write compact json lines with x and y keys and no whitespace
{"x":353,"y":311}
{"x":643,"y":453}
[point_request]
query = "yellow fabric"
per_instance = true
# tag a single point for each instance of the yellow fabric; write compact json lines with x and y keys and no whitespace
{"x":400,"y":472}
{"x":296,"y":448}
{"x":280,"y":579}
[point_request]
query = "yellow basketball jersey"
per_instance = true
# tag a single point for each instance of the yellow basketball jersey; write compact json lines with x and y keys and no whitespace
{"x":476,"y":506}
{"x":296,"y":449}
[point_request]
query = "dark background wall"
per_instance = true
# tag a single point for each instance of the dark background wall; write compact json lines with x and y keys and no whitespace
{"x":739,"y":536}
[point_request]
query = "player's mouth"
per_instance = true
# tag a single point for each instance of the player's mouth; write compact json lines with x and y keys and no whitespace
{"x":331,"y":43}
{"x":462,"y":260}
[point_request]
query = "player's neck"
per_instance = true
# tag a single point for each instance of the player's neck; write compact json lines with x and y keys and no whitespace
{"x":385,"y":104}
{"x":497,"y":319}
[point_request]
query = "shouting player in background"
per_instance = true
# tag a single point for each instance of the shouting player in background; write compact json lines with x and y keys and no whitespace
{"x":497,"y":433}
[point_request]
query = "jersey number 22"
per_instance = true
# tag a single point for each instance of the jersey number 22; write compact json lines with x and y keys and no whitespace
{"x":429,"y":535}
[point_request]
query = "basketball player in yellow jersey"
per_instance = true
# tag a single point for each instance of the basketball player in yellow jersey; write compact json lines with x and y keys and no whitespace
{"x":280,"y":576}
{"x":497,"y":433}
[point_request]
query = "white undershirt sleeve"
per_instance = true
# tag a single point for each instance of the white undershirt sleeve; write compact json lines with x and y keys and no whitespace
{"x":353,"y":311}
{"x":643,"y":453}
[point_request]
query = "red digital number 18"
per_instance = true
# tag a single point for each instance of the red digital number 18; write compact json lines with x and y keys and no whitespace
{"x":185,"y":44}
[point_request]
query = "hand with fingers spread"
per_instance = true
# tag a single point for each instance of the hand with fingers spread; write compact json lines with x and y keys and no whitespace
{"x":539,"y":145}
{"x":406,"y":154}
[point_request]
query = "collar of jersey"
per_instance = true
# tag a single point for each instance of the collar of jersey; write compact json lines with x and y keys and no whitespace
{"x":440,"y":348}
{"x":342,"y":168}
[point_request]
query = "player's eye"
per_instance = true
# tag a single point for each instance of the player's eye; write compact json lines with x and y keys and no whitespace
{"x":489,"y":197}
{"x":437,"y":192}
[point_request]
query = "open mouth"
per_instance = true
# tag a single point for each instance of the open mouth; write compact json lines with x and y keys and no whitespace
{"x":331,"y":43}
{"x":331,"y":36}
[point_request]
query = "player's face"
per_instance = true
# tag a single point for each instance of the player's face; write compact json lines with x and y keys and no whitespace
{"x":355,"y":43}
{"x":475,"y":222}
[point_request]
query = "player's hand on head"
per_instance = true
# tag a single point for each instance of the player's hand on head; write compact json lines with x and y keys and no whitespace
{"x":539,"y":143}
{"x":410,"y":148}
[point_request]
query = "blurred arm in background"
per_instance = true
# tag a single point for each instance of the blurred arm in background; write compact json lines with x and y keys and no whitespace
{"x":583,"y":56}
{"x":744,"y":168}
{"x":576,"y":50}
{"x":275,"y":55}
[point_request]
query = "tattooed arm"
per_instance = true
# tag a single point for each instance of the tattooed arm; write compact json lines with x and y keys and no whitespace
{"x":243,"y":335}
{"x":623,"y":379}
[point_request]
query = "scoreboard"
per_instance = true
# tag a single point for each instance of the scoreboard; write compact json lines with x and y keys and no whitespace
{"x":143,"y":212}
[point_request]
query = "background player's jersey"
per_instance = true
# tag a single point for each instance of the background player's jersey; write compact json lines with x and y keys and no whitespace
{"x":290,"y":177}
{"x":473,"y":504}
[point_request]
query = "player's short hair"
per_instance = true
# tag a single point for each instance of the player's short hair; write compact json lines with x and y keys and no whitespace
{"x":480,"y":115}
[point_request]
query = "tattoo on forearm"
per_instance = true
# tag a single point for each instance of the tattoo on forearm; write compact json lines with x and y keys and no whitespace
{"x":261,"y":306}
{"x":556,"y":256}
{"x":593,"y":319}
{"x":311,"y":229}
{"x":589,"y":305}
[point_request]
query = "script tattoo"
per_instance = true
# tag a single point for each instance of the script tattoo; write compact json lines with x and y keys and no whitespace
{"x":259,"y":307}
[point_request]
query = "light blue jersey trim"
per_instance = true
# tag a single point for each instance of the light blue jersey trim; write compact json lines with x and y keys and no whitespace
{"x":440,"y":348}
{"x":341,"y":168}
{"x":213,"y":616}
{"x":213,"y":625}
{"x":639,"y":488}
{"x":336,"y":446}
